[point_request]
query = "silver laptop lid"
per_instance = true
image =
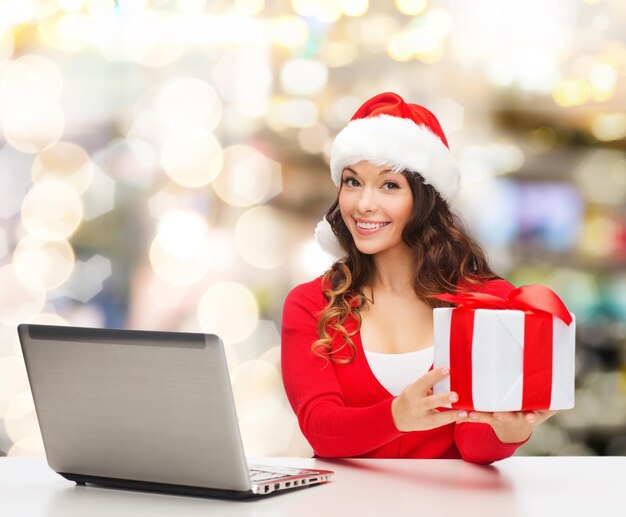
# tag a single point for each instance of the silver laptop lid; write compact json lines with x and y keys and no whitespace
{"x":137,"y":405}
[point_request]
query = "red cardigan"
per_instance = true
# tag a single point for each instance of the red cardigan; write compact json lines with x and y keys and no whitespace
{"x":344,"y":411}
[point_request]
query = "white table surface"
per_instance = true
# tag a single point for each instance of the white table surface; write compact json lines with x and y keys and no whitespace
{"x":518,"y":486}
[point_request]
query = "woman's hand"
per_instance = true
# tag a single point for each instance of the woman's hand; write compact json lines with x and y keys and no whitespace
{"x":415,"y":408}
{"x":511,"y":426}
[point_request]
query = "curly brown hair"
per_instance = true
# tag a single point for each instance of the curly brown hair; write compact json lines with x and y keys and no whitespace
{"x":445,"y":255}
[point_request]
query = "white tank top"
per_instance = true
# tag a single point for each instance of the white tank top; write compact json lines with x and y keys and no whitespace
{"x":396,"y":371}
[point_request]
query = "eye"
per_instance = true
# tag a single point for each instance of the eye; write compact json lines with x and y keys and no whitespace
{"x":350,"y":182}
{"x":391,"y":185}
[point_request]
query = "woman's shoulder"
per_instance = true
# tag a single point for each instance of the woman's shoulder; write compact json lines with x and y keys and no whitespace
{"x":312,"y":292}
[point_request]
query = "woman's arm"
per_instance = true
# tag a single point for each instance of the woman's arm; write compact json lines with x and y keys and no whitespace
{"x":314,"y":392}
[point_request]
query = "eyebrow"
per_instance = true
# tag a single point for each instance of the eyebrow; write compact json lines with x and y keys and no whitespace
{"x":355,"y":172}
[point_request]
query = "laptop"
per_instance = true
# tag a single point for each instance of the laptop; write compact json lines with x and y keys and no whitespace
{"x":144,"y":410}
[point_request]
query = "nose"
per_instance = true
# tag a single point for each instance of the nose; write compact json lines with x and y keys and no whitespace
{"x":367,"y":201}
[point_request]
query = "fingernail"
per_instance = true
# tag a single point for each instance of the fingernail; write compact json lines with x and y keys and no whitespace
{"x":473,"y":416}
{"x":462,"y":414}
{"x":453,"y":397}
{"x":497,"y":417}
{"x":445,"y":371}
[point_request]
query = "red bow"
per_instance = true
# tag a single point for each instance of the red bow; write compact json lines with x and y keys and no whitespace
{"x":532,"y":298}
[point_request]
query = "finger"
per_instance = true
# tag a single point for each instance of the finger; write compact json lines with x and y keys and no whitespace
{"x":440,"y":418}
{"x":428,"y":380}
{"x":504,"y":416}
{"x":439,"y":400}
{"x":480,"y":416}
{"x":531,"y":416}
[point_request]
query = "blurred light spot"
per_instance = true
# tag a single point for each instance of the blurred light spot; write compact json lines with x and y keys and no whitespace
{"x":328,"y":11}
{"x":229,"y":310}
{"x":250,"y":7}
{"x":20,"y":418}
{"x":609,"y":126}
{"x":66,"y":162}
{"x":13,"y":381}
{"x":72,"y":6}
{"x":31,"y":446}
{"x":188,"y":106}
{"x":339,"y":53}
{"x":6,"y":45}
{"x":16,"y":12}
{"x":68,"y":32}
{"x":46,"y":318}
{"x":571,"y":92}
{"x":254,"y":380}
{"x":411,"y":7}
{"x":266,"y":428}
{"x":600,"y":176}
{"x":191,"y":6}
{"x":41,"y":265}
{"x":598,"y":236}
{"x":51,"y":211}
{"x":372,"y":36}
{"x":246,"y":176}
{"x":303,"y":77}
{"x":150,"y":39}
{"x":17,"y":302}
{"x":603,"y":80}
{"x":272,"y":356}
{"x":132,"y":6}
{"x":578,"y":289}
{"x":354,"y":7}
{"x":423,"y":42}
{"x":245,"y":78}
{"x":162,"y":202}
{"x":449,"y":113}
{"x":86,"y":281}
{"x":99,"y":198}
{"x":296,"y":112}
{"x":4,"y":247}
{"x":543,"y":139}
{"x":192,"y":160}
{"x":289,"y":31}
{"x":30,"y":131}
{"x":261,"y":237}
{"x":600,"y":22}
{"x":313,"y":139}
{"x":181,"y":253}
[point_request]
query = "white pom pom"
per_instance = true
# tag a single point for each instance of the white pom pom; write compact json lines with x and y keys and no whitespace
{"x":327,"y":240}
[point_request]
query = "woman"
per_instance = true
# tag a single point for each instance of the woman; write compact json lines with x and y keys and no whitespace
{"x":357,"y":342}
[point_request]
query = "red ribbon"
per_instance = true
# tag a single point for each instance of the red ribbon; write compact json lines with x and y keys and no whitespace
{"x":541,"y":304}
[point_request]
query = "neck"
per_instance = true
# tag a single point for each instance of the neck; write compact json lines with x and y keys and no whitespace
{"x":395,"y":271}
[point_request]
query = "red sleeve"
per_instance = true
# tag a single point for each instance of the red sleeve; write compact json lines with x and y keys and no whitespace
{"x":478,"y":443}
{"x":314,"y":392}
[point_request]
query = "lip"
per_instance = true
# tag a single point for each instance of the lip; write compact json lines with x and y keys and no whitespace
{"x":369,"y":231}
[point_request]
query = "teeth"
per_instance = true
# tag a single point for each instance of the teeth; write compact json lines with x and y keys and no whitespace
{"x":370,"y":226}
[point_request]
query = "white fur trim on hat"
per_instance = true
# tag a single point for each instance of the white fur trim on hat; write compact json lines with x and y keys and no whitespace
{"x":327,"y":240}
{"x":400,"y":143}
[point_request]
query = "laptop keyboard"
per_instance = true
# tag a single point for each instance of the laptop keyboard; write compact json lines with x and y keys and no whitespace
{"x":259,"y":475}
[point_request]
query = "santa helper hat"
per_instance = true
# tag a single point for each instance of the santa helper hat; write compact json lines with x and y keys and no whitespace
{"x":385,"y":130}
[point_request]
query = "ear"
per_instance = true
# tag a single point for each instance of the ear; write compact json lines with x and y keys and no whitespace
{"x":327,"y":240}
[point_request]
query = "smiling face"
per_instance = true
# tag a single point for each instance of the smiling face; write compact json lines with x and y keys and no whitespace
{"x":375,"y":204}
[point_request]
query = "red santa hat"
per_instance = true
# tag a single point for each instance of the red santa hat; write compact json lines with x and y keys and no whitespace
{"x":385,"y":130}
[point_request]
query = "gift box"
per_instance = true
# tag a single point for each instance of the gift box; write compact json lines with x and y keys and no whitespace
{"x":506,"y":354}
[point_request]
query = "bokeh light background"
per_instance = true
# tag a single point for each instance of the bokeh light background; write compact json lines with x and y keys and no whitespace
{"x":163,"y":164}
